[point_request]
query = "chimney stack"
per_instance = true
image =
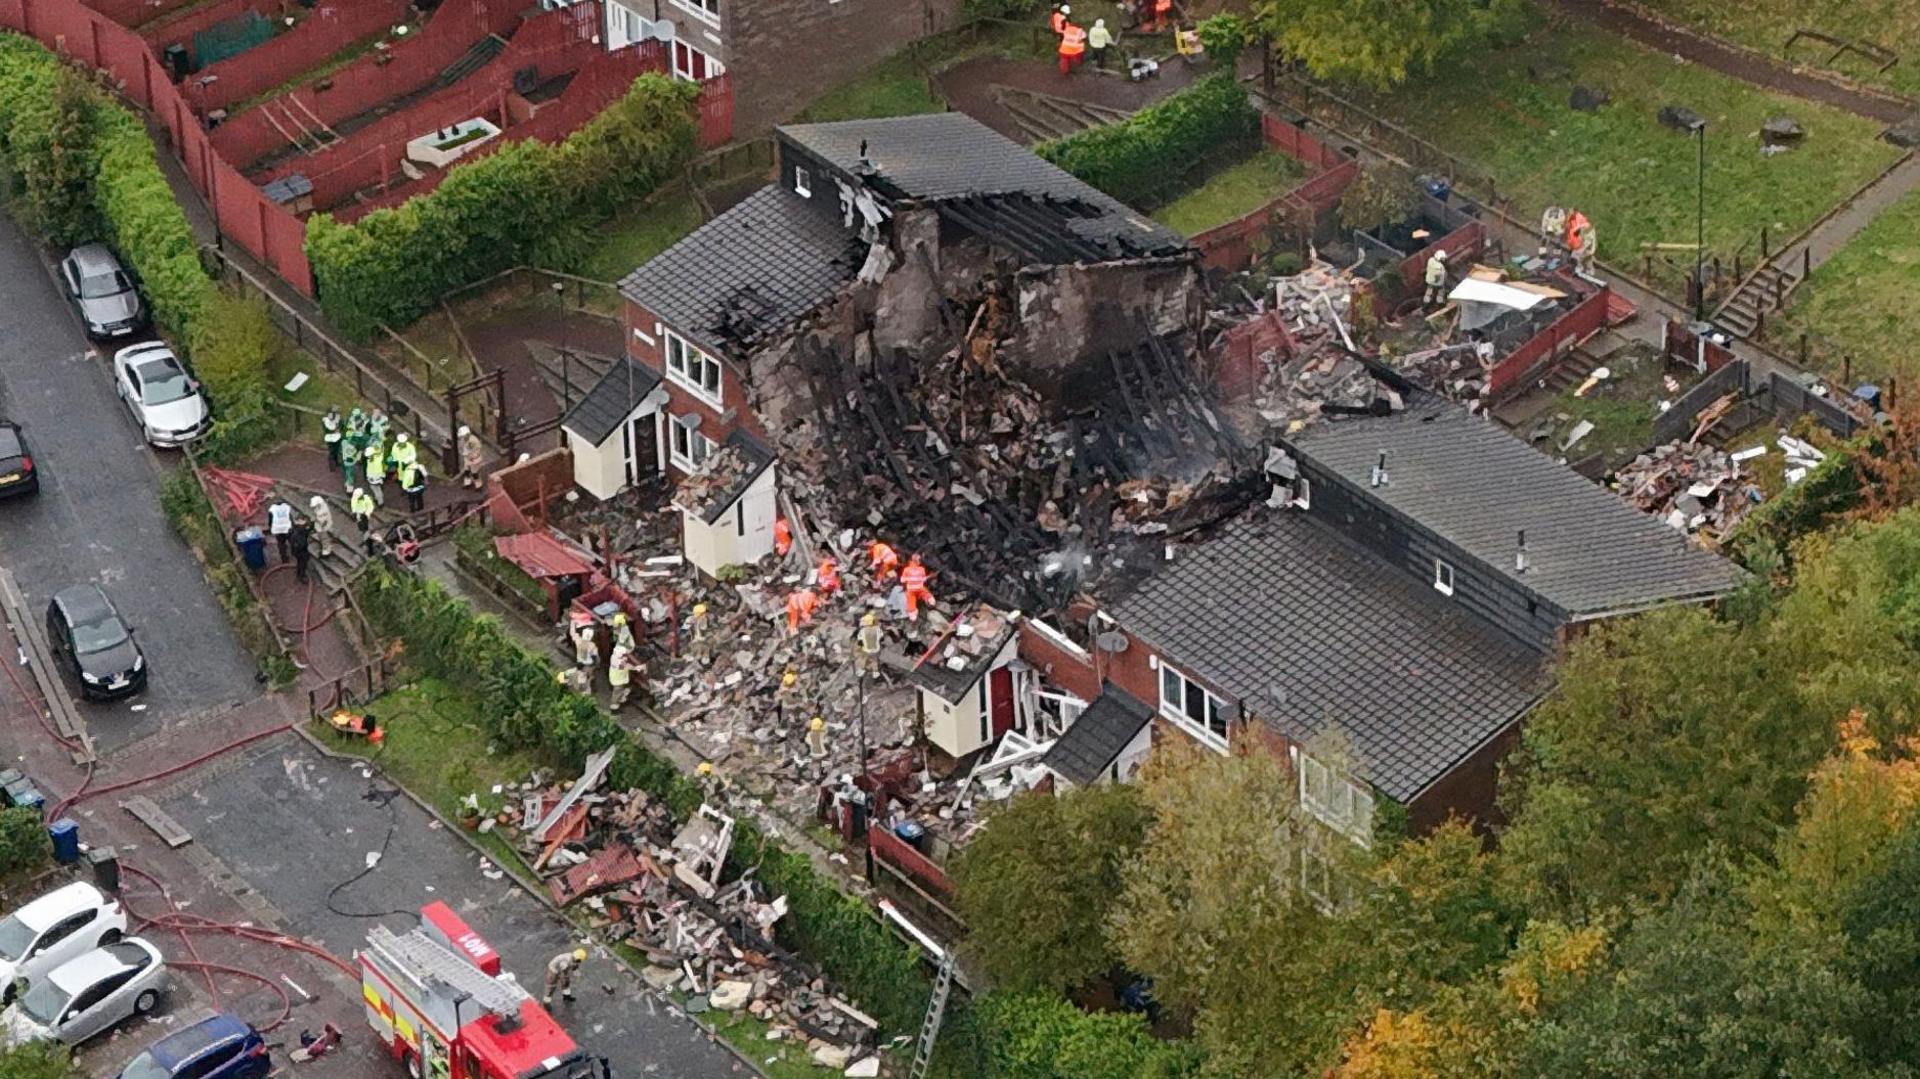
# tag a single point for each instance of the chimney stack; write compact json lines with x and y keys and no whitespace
{"x":1521,"y":563}
{"x":1380,"y":471}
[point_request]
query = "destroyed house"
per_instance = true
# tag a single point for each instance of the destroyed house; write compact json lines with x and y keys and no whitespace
{"x":1390,"y":609}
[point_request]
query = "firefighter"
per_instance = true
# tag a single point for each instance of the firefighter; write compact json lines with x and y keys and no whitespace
{"x":914,"y":580}
{"x":1436,"y":278}
{"x":867,"y":642}
{"x":405,"y":451}
{"x":586,"y":649}
{"x":1073,"y":48}
{"x":330,"y":434}
{"x":622,"y":632}
{"x":828,"y":578}
{"x":376,"y":467}
{"x":573,"y":678}
{"x":800,"y":607}
{"x":700,"y":627}
{"x":377,"y":427}
{"x":882,"y":560}
{"x":1057,"y":22}
{"x":322,"y":517}
{"x":787,"y":697}
{"x":472,"y":457}
{"x":620,"y":666}
{"x":560,"y":971}
{"x":817,"y":738}
{"x":361,"y":507}
{"x":782,"y":536}
{"x":1162,"y":9}
{"x":413,"y":480}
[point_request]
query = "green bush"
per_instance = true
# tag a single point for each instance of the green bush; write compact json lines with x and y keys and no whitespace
{"x":1764,"y":537}
{"x":38,"y":1060}
{"x":1130,"y":159}
{"x":1225,"y":36}
{"x":528,"y":203}
{"x":1035,"y":1036}
{"x":23,"y":840}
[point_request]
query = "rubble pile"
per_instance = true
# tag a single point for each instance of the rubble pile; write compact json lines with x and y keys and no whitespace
{"x":722,"y":475}
{"x":1693,"y":487}
{"x":659,"y":890}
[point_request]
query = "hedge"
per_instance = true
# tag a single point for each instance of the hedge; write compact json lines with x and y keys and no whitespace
{"x":1135,"y":159}
{"x":1034,"y":1036}
{"x":530,"y":203}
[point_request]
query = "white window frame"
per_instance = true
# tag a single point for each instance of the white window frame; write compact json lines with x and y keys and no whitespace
{"x":683,"y":357}
{"x":1336,"y":800}
{"x":802,"y":182}
{"x":1175,"y":711}
{"x":1302,"y":493}
{"x":687,"y":448}
{"x":707,"y":11}
{"x":1443,"y":580}
{"x":714,"y":67}
{"x":629,"y":23}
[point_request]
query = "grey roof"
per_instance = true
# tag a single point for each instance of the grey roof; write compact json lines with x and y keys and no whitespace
{"x":1306,"y":630}
{"x":755,"y":457}
{"x":599,"y":414}
{"x":950,"y":155}
{"x":991,"y":630}
{"x":748,"y":272}
{"x":1097,"y":738}
{"x":1476,"y":486}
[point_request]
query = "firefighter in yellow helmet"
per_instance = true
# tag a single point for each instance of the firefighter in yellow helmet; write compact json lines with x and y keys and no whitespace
{"x":560,"y":971}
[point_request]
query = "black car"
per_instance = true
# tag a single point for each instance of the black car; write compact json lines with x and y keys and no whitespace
{"x":95,"y":643}
{"x":17,"y":474}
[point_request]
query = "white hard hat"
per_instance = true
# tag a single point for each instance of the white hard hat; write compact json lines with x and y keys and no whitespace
{"x":403,"y":434}
{"x":316,"y":501}
{"x":1440,"y":254}
{"x":465,"y":430}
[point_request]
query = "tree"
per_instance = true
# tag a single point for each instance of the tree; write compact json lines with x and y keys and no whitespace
{"x":1037,"y":885}
{"x":23,"y":840}
{"x":1381,"y":43}
{"x":1213,"y":911}
{"x":232,"y":348}
{"x":38,"y":1060}
{"x":1882,"y":927}
{"x":1383,"y":195}
{"x":1225,"y":36}
{"x":55,"y":157}
{"x":1669,"y":731}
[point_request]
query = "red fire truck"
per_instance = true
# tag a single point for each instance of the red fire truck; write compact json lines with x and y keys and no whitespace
{"x":438,"y":1000}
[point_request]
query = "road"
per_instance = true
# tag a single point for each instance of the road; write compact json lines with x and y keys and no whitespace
{"x":97,"y":516}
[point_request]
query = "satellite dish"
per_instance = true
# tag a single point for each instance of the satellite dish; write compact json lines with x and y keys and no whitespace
{"x":1111,"y":641}
{"x":660,"y":30}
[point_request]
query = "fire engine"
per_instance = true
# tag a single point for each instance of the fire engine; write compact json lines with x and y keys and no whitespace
{"x":438,"y":1000}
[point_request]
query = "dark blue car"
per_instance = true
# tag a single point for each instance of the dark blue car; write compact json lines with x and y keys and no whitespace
{"x":218,"y":1048}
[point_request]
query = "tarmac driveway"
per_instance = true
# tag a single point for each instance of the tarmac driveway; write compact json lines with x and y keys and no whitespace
{"x":292,"y":824}
{"x":97,"y":516}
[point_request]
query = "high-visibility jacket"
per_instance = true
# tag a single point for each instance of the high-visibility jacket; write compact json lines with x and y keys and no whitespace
{"x":1436,"y":270}
{"x":782,"y":535}
{"x":1100,"y":37}
{"x":376,"y":459}
{"x":1161,"y":7}
{"x":881,"y":558}
{"x":829,"y":576}
{"x":406,"y":452}
{"x":361,"y":504}
{"x":618,"y":671}
{"x":1073,"y":42}
{"x":800,"y":605}
{"x":914,"y":577}
{"x":413,"y":477}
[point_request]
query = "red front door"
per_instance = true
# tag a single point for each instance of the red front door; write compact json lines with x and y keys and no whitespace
{"x":1000,"y":700}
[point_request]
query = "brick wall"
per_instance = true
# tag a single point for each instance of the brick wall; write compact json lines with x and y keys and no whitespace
{"x":784,"y":53}
{"x":715,"y":423}
{"x":1466,"y":792}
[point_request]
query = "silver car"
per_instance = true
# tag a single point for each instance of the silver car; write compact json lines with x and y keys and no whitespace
{"x":102,"y":292}
{"x":84,"y":996}
{"x":163,"y":397}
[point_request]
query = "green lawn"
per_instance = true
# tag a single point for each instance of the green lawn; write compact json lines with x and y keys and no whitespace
{"x":641,"y":232}
{"x":1862,"y":300}
{"x":1634,"y":178}
{"x":1767,"y":24}
{"x":1232,"y":192}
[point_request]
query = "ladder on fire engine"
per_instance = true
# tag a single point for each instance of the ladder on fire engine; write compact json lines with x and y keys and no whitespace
{"x":431,"y":964}
{"x":936,"y":1013}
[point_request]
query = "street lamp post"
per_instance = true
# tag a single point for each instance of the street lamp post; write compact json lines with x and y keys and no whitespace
{"x":1700,"y":222}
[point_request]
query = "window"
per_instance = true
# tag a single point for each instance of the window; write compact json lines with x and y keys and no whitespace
{"x":693,"y":370}
{"x":802,"y":183}
{"x":688,"y":447}
{"x":1337,"y":800}
{"x":1329,"y":888}
{"x":623,"y":25}
{"x":1303,"y":493}
{"x":692,"y":64}
{"x":1191,"y":708}
{"x":1442,"y":577}
{"x":706,"y":9}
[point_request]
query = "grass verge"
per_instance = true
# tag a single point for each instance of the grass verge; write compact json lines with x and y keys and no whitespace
{"x":640,"y":233}
{"x":1767,"y":24}
{"x":1509,"y":113}
{"x":1232,"y":192}
{"x":1861,"y":300}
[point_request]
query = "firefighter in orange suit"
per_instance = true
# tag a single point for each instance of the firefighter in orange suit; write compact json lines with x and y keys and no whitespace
{"x":828,"y":579}
{"x":914,"y":580}
{"x":1073,"y":48}
{"x":883,"y":560}
{"x":782,"y":536}
{"x":800,"y":606}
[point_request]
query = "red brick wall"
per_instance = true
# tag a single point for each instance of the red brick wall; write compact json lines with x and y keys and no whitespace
{"x":1466,"y":792}
{"x":715,"y":424}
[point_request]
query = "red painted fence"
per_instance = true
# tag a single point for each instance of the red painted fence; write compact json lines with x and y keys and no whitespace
{"x":1230,"y":246}
{"x":408,"y":67}
{"x":1461,"y":245}
{"x":135,"y":12}
{"x":329,"y":28}
{"x":180,"y":31}
{"x":247,"y":217}
{"x":1530,"y":360}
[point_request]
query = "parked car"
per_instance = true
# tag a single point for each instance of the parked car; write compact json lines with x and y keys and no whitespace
{"x":164,"y":398}
{"x":95,"y":643}
{"x":17,"y":475}
{"x":102,"y":292}
{"x":218,"y":1048}
{"x":87,"y":994}
{"x":54,"y":928}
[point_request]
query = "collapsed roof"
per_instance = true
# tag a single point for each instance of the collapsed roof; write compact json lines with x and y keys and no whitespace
{"x":989,"y":184}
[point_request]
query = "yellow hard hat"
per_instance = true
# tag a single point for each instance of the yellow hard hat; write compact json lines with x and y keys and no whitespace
{"x":579,"y":955}
{"x":620,"y":619}
{"x":789,"y":678}
{"x":560,"y":677}
{"x":818,"y":724}
{"x":699,"y":608}
{"x":868,"y":619}
{"x":705,"y":769}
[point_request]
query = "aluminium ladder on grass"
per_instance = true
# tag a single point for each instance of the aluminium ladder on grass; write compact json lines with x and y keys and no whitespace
{"x":936,"y":1012}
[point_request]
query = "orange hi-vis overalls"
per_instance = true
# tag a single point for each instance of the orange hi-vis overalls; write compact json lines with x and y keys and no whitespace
{"x":914,"y":580}
{"x":883,"y":560}
{"x":828,"y":579}
{"x":1073,"y":48}
{"x":800,"y":607}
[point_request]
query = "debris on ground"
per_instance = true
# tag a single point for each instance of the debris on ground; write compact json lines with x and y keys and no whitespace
{"x":1695,"y":488}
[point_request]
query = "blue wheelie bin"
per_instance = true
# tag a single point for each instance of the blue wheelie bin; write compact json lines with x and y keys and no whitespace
{"x":253,"y":547}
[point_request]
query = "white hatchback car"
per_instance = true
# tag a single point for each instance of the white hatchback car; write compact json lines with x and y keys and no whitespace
{"x":164,"y":399}
{"x":83,"y":997}
{"x":64,"y":923}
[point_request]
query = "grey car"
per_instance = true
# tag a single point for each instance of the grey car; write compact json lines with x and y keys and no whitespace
{"x":86,"y":995}
{"x":102,"y":292}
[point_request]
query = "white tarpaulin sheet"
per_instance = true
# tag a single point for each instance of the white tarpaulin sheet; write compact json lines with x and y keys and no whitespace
{"x":1483,"y":301}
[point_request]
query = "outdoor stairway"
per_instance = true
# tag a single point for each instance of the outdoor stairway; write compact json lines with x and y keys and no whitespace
{"x":1571,"y":372}
{"x":1044,"y":116}
{"x":471,"y":61}
{"x":1759,"y":295}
